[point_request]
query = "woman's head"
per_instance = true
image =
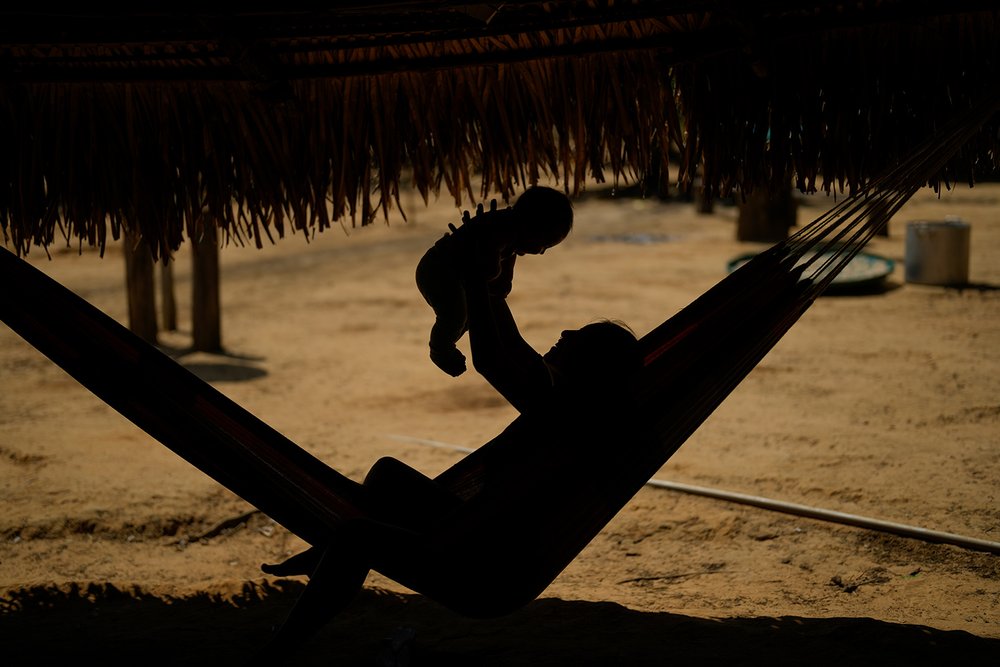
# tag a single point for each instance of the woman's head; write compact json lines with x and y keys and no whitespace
{"x":544,"y":217}
{"x":600,"y":353}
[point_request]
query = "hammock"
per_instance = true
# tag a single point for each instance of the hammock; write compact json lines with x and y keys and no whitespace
{"x":507,"y":526}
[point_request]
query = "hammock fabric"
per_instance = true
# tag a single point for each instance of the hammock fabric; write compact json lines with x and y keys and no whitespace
{"x":509,"y":525}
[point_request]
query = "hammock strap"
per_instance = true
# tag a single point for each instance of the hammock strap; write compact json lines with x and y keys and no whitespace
{"x":696,"y":358}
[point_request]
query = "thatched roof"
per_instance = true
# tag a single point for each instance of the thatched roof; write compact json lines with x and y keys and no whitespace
{"x":302,"y":114}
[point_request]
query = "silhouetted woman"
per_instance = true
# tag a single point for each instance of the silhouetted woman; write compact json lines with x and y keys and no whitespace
{"x":490,"y":533}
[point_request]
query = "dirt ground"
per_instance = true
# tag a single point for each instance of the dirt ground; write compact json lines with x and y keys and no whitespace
{"x":884,"y":405}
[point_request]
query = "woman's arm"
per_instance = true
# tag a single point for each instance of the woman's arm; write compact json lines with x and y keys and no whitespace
{"x":499,"y":352}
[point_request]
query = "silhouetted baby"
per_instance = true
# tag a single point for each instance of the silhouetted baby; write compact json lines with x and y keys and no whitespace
{"x":485,"y":247}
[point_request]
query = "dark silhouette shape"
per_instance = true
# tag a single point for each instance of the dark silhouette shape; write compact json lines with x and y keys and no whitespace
{"x":485,"y":246}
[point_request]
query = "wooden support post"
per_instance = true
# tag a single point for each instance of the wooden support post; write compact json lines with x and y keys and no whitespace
{"x":140,"y":288}
{"x":168,"y":304}
{"x":206,"y":326}
{"x":705,"y":201}
{"x":767,"y":215}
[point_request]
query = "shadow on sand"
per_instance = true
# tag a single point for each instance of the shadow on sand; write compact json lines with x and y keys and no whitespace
{"x":108,"y":626}
{"x":221,"y":366}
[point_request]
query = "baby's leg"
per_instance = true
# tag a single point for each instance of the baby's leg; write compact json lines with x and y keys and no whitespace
{"x":446,"y":297}
{"x":451,"y":320}
{"x":447,"y":357}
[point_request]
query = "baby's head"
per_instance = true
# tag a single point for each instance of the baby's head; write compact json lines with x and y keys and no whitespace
{"x":544,"y":218}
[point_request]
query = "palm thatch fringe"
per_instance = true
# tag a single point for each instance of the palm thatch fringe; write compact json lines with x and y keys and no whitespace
{"x":294,"y":133}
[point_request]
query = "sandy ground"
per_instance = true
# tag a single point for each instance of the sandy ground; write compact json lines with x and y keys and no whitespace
{"x":883,"y":405}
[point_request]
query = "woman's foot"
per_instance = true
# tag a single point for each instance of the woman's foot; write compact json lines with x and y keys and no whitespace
{"x":300,"y":564}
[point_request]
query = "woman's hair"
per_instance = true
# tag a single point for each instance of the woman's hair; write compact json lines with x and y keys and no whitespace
{"x":608,"y":354}
{"x":616,"y":347}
